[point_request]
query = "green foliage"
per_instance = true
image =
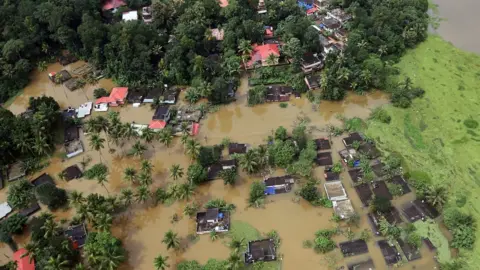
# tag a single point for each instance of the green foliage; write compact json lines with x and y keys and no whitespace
{"x":470,"y":123}
{"x":196,"y":174}
{"x":463,"y":228}
{"x":404,"y":93}
{"x":14,"y":224}
{"x":337,"y":167}
{"x":103,"y":251}
{"x":281,"y":134}
{"x":353,"y":124}
{"x":303,"y":166}
{"x":100,"y":92}
{"x":395,"y":189}
{"x":283,"y":105}
{"x":257,"y":95}
{"x":229,"y":176}
{"x":209,"y":155}
{"x":381,"y":115}
{"x":322,"y":242}
{"x":51,"y":196}
{"x":310,"y":193}
{"x":257,"y":194}
{"x":190,"y":209}
{"x":381,"y":204}
{"x":221,"y":204}
{"x":282,"y":153}
{"x":20,"y":194}
{"x":95,"y":171}
{"x":414,"y":239}
{"x":388,"y":230}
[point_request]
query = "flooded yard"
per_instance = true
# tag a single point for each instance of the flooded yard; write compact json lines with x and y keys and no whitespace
{"x":142,"y":227}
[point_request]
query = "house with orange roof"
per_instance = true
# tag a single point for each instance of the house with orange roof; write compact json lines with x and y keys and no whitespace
{"x":260,"y":54}
{"x":24,"y":262}
{"x":113,"y":4}
{"x":117,"y":97}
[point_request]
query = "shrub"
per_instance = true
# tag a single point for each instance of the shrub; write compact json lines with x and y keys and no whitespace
{"x":281,"y":134}
{"x":337,"y":167}
{"x":381,"y":115}
{"x":470,"y":123}
{"x":256,"y":95}
{"x":395,"y":189}
{"x":20,"y":194}
{"x":381,"y":204}
{"x":310,"y":193}
{"x":220,"y":203}
{"x":257,"y":194}
{"x":354,"y":124}
{"x":283,"y":105}
{"x":95,"y":171}
{"x":463,"y":237}
{"x":51,"y":196}
{"x":322,"y":242}
{"x":100,"y":92}
{"x":196,"y":174}
{"x":414,"y":239}
{"x":209,"y":155}
{"x":13,"y":224}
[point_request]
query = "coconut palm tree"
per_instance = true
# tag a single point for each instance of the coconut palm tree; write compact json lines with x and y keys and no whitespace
{"x":166,"y":137}
{"x":272,"y":59}
{"x":128,"y":131}
{"x":51,"y":228}
{"x":245,"y":47}
{"x":229,"y":176}
{"x":184,"y":139}
{"x":33,"y":249}
{"x":176,"y":172}
{"x":185,"y":191}
{"x":76,"y":198}
{"x":127,"y":196}
{"x":130,"y":175}
{"x":103,"y":222}
{"x":173,"y":190}
{"x":102,"y":179}
{"x":185,"y":128}
{"x":249,"y":161}
{"x":56,"y":263}
{"x":146,"y":166}
{"x":437,"y":196}
{"x":96,"y":143}
{"x":142,"y":194}
{"x":171,"y":240}
{"x":145,"y":178}
{"x":40,"y":145}
{"x":237,"y":244}
{"x":193,"y":148}
{"x":80,"y":266}
{"x":148,"y":135}
{"x":234,"y":261}
{"x":138,"y":149}
{"x":160,"y":262}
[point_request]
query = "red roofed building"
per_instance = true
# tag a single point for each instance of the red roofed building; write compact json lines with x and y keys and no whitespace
{"x":117,"y":97}
{"x":23,"y":262}
{"x":268,"y":32}
{"x":223,"y":3}
{"x":157,"y":124}
{"x":260,"y":54}
{"x":113,"y":4}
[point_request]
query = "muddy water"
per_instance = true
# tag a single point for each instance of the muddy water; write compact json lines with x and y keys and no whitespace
{"x":143,"y":226}
{"x":460,"y":23}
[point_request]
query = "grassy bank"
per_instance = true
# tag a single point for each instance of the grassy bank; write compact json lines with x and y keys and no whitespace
{"x":432,"y":135}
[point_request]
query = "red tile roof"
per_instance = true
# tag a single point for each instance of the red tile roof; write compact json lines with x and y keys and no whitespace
{"x":23,"y":263}
{"x":103,"y":100}
{"x":112,"y":4}
{"x":195,"y":128}
{"x":157,"y":124}
{"x":223,"y":3}
{"x":311,"y":11}
{"x":117,"y":94}
{"x":261,"y":53}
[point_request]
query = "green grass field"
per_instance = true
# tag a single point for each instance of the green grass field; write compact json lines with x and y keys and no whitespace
{"x":431,"y":135}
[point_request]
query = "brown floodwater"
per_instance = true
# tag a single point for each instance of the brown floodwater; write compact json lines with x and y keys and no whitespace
{"x":142,"y":227}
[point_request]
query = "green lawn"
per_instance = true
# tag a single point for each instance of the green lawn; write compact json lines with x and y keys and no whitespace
{"x":431,"y":135}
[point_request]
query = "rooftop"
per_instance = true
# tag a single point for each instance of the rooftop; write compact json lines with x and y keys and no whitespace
{"x":344,"y":209}
{"x":260,"y":53}
{"x":324,"y":159}
{"x":42,"y":179}
{"x":16,"y":171}
{"x":218,"y":33}
{"x":330,"y":23}
{"x":59,"y":77}
{"x":364,"y":193}
{"x":260,"y":250}
{"x":71,"y":133}
{"x":389,"y":252}
{"x":237,"y":148}
{"x":72,"y":172}
{"x":380,"y":189}
{"x":426,"y":208}
{"x":130,"y":15}
{"x":411,"y":253}
{"x":223,"y":3}
{"x":352,"y":248}
{"x":30,"y":210}
{"x":5,"y":209}
{"x":152,"y":94}
{"x":312,"y":81}
{"x":348,"y":141}
{"x":335,"y":191}
{"x":277,"y":93}
{"x":365,"y":265}
{"x":213,"y":219}
{"x":157,"y":124}
{"x":161,"y":113}
{"x":23,"y":260}
{"x":112,"y":4}
{"x":77,"y":234}
{"x":398,"y":180}
{"x":322,"y":144}
{"x":355,"y":174}
{"x":136,"y":95}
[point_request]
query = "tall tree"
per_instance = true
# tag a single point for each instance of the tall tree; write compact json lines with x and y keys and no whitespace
{"x":171,"y":240}
{"x":130,"y":175}
{"x":160,"y":262}
{"x":96,"y":142}
{"x":176,"y":172}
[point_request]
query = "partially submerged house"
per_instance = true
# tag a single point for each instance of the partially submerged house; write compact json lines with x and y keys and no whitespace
{"x":84,"y":110}
{"x":193,"y":129}
{"x":364,"y":193}
{"x":117,"y":97}
{"x":379,"y":170}
{"x":365,"y":265}
{"x":5,"y":209}
{"x":260,"y":55}
{"x":136,"y":96}
{"x":31,"y":209}
{"x":343,"y":209}
{"x":169,"y":95}
{"x":162,"y":113}
{"x":429,"y":244}
{"x":213,"y":171}
{"x":335,"y":191}
{"x":374,"y":223}
{"x":278,"y":184}
{"x":380,"y":189}
{"x":278,"y":93}
{"x":389,"y":252}
{"x":330,"y":24}
{"x":72,"y":172}
{"x":73,"y":148}
{"x":260,"y":251}
{"x":324,"y":159}
{"x":74,"y":83}
{"x":311,"y":62}
{"x":353,"y":137}
{"x":23,"y":260}
{"x":70,"y":133}
{"x":213,"y":219}
{"x":322,"y":144}
{"x":43,"y":179}
{"x":356,"y":175}
{"x":349,"y":155}
{"x":188,"y":115}
{"x":354,"y":247}
{"x":59,"y":77}
{"x":369,"y":149}
{"x":237,"y":148}
{"x":16,"y":171}
{"x":340,"y":15}
{"x":312,"y":82}
{"x":152,"y":94}
{"x":67,"y":58}
{"x":398,"y":180}
{"x":330,"y":175}
{"x":426,"y":208}
{"x":411,"y":252}
{"x":77,"y":234}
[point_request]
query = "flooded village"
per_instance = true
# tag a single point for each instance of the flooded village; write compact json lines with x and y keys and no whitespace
{"x":343,"y":160}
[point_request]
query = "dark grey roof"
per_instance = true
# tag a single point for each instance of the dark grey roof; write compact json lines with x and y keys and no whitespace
{"x":42,"y":179}
{"x":72,"y":172}
{"x":161,"y":113}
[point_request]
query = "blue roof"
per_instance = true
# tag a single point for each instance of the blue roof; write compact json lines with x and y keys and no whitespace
{"x":270,"y":190}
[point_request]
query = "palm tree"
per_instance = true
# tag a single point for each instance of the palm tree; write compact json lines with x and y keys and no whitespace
{"x":128,"y":131}
{"x":80,"y":266}
{"x":229,"y":176}
{"x":157,"y":101}
{"x":184,"y":139}
{"x":272,"y":59}
{"x":57,"y":263}
{"x":234,"y":261}
{"x":193,"y":148}
{"x":146,"y":166}
{"x":237,"y":244}
{"x":176,"y":172}
{"x":437,"y":196}
{"x":127,"y":196}
{"x":138,"y":149}
{"x":166,"y":136}
{"x":33,"y":249}
{"x":245,"y":47}
{"x":185,"y":128}
{"x":130,"y":175}
{"x":103,"y":222}
{"x":142,"y":194}
{"x":76,"y":198}
{"x":41,"y":146}
{"x":171,"y":240}
{"x":249,"y":161}
{"x":51,"y":228}
{"x":160,"y":262}
{"x":145,"y":179}
{"x":102,"y":179}
{"x":96,"y":142}
{"x":173,"y":190}
{"x":185,"y":191}
{"x":148,"y":135}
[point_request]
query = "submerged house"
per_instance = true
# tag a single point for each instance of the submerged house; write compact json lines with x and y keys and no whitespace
{"x":312,"y":82}
{"x":169,"y":95}
{"x":72,"y":172}
{"x":188,"y":115}
{"x":389,"y":252}
{"x":84,"y":110}
{"x":353,"y":137}
{"x":59,"y":77}
{"x":77,"y":234}
{"x":67,"y":58}
{"x":340,"y":15}
{"x":365,"y":265}
{"x":117,"y":97}
{"x":43,"y":179}
{"x":152,"y":94}
{"x":136,"y":96}
{"x":160,"y":118}
{"x":278,"y":93}
{"x":237,"y":148}
{"x":260,"y":251}
{"x":213,"y":219}
{"x":5,"y":209}
{"x":343,"y":209}
{"x":330,"y":24}
{"x":213,"y":171}
{"x":278,"y":184}
{"x":30,"y":210}
{"x":311,"y":62}
{"x":352,"y":248}
{"x":74,"y":83}
{"x":324,"y":159}
{"x":72,"y":143}
{"x":335,"y":191}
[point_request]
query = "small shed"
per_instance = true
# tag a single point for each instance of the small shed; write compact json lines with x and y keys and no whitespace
{"x":278,"y":184}
{"x":343,"y":209}
{"x":72,"y":172}
{"x":335,"y":191}
{"x":354,"y":247}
